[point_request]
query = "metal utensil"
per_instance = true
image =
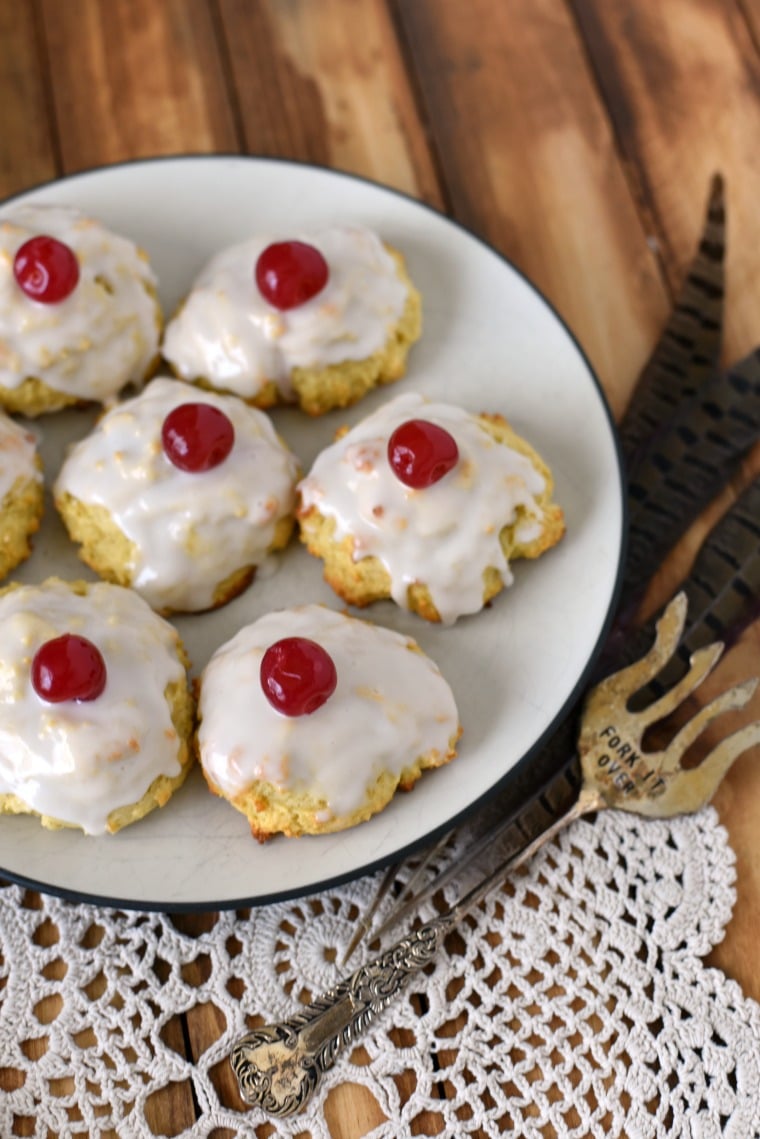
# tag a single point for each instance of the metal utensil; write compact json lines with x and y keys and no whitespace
{"x":278,"y":1066}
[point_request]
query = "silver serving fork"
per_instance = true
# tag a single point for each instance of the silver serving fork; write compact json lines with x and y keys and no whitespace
{"x":278,"y":1066}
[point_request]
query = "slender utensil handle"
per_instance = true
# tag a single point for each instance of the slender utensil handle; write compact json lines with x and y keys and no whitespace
{"x":279,"y":1066}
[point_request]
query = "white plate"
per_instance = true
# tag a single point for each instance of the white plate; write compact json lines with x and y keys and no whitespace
{"x":490,"y":343}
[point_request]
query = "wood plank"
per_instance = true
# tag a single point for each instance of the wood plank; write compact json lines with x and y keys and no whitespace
{"x":133,"y":78}
{"x":27,"y":148}
{"x":681,"y":81}
{"x":530,"y":162}
{"x":325,"y":82}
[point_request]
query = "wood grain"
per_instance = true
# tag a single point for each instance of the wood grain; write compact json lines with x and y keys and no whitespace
{"x":133,"y":78}
{"x":530,"y":162}
{"x":326,"y":82}
{"x":27,"y":134}
{"x":682,"y":84}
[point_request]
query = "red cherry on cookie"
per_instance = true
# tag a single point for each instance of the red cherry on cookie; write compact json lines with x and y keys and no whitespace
{"x":289,"y":273}
{"x":46,"y":269}
{"x":68,"y":668}
{"x":197,"y":436}
{"x":297,"y":676}
{"x":421,"y":453}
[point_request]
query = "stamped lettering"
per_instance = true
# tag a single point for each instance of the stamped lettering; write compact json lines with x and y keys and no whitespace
{"x":626,"y":766}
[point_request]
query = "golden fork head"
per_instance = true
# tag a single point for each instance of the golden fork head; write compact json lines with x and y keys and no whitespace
{"x":618,"y":772}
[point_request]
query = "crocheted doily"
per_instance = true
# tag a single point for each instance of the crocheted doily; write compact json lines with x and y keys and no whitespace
{"x":574,"y":1002}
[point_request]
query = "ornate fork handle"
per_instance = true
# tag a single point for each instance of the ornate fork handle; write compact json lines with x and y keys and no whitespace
{"x":279,"y":1065}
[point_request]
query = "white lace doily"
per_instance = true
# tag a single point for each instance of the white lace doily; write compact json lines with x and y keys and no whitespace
{"x":575,"y":1003}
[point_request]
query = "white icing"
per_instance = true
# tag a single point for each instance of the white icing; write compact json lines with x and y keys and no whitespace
{"x":391,"y":705}
{"x":229,"y":334}
{"x":445,"y":535}
{"x":78,"y":762}
{"x":18,"y":449}
{"x":103,"y":335}
{"x":190,"y":530}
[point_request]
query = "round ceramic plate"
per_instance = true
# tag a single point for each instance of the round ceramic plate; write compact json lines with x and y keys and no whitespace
{"x":490,"y":343}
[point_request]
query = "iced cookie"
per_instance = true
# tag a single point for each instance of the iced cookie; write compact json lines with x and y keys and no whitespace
{"x":317,"y":321}
{"x":310,"y":720}
{"x":79,"y":314}
{"x":179,"y":494}
{"x":95,"y":710}
{"x":428,"y":504}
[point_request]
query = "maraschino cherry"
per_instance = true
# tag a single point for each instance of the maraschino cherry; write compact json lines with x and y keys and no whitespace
{"x":290,"y":273}
{"x":68,"y":668}
{"x":297,"y":676}
{"x":197,"y":437}
{"x":421,"y":453}
{"x":46,"y":269}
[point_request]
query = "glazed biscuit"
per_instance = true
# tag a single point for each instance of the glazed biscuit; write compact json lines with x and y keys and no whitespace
{"x":388,"y":716}
{"x":102,"y":757}
{"x":443,"y":550}
{"x":353,"y":334}
{"x":186,"y":539}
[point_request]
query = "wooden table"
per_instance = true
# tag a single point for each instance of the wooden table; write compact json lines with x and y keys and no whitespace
{"x":577,"y":136}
